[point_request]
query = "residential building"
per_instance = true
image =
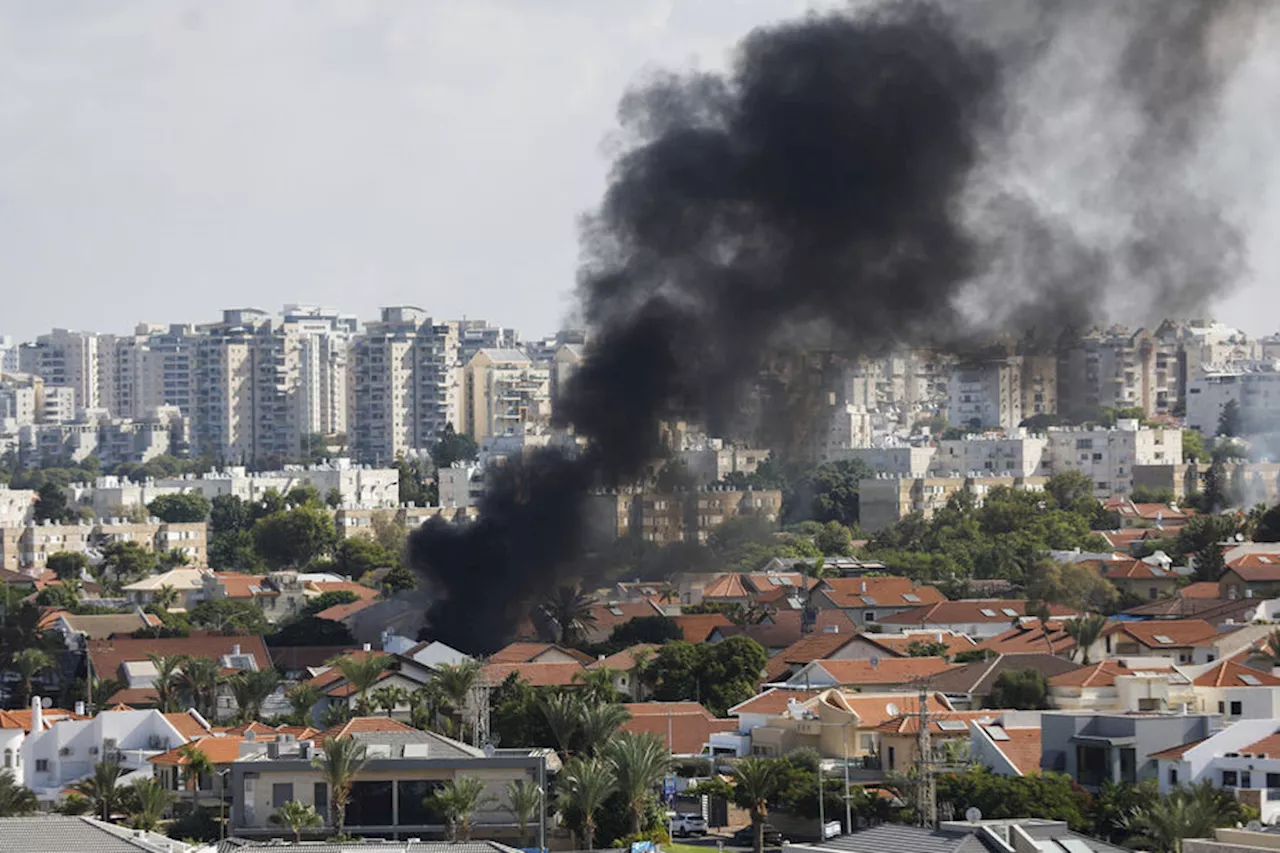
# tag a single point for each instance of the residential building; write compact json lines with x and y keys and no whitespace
{"x":1008,"y":747}
{"x":874,"y":599}
{"x":1253,"y":387}
{"x":406,"y":384}
{"x":113,"y":441}
{"x":986,"y":394}
{"x":1150,"y":578}
{"x":21,"y":401}
{"x":713,"y":463}
{"x":885,"y":500}
{"x":626,"y":667}
{"x":65,"y":359}
{"x":1253,"y":575}
{"x":461,"y":485}
{"x":902,"y":460}
{"x":63,"y":832}
{"x":1189,"y":641}
{"x":1107,"y":455}
{"x":968,"y":687}
{"x":685,"y":727}
{"x":504,"y":393}
{"x":948,"y":736}
{"x":1243,"y":758}
{"x":129,"y":661}
{"x":32,"y":544}
{"x":389,"y":794}
{"x":76,"y":629}
{"x":1015,"y":454}
{"x":887,"y":674}
{"x":402,"y":672}
{"x":978,"y":618}
{"x":1094,"y":748}
{"x":664,"y":518}
{"x":1051,"y":637}
{"x":1123,"y":684}
{"x":1118,"y":369}
{"x":1230,"y":840}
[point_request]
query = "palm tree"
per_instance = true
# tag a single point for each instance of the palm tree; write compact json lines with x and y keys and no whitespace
{"x":755,"y":781}
{"x":524,"y":798}
{"x":571,"y":613}
{"x":166,"y":681}
{"x":598,"y":724}
{"x":195,"y":763}
{"x":670,"y":591}
{"x":149,"y":800}
{"x":597,"y":684}
{"x":304,"y":698}
{"x":564,"y":717}
{"x":164,"y":598}
{"x":1086,"y":630}
{"x":1162,"y":824}
{"x":199,"y":680}
{"x":297,"y":817}
{"x":251,"y":689}
{"x":388,"y":698}
{"x":639,"y":762}
{"x":30,"y":663}
{"x":362,"y":672}
{"x":455,"y":683}
{"x":457,"y":800}
{"x":340,"y":761}
{"x":585,"y":785}
{"x":101,"y":788}
{"x":15,"y":798}
{"x":640,"y":672}
{"x":817,"y":572}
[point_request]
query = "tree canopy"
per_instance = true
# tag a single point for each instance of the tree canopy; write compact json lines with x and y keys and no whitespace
{"x":191,"y":507}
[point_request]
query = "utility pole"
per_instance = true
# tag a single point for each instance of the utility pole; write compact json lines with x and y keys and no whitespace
{"x":926,"y":787}
{"x":848,"y":807}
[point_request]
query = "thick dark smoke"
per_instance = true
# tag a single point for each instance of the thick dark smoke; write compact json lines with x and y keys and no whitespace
{"x":856,"y":181}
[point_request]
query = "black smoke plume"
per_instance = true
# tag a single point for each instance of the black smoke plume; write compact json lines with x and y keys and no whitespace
{"x":858,"y":181}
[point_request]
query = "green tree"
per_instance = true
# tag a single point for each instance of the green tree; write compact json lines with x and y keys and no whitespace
{"x":1069,"y":487}
{"x":598,"y":724}
{"x":233,"y":550}
{"x":455,"y":683}
{"x":1086,"y":630}
{"x":51,"y":504}
{"x":389,"y":698}
{"x":67,"y":564}
{"x":362,"y":671}
{"x":312,"y":631}
{"x":227,"y":616}
{"x":228,"y":514}
{"x":148,"y":800}
{"x":1268,"y":526}
{"x":102,"y":788}
{"x":1019,"y":689}
{"x":639,"y":762}
{"x":563,"y":713}
{"x":199,"y":683}
{"x":570,"y":612}
{"x":327,"y":599}
{"x":585,"y":784}
{"x":175,"y":509}
{"x":413,"y":482}
{"x":719,"y":675}
{"x":195,"y":764}
{"x":457,"y":800}
{"x":340,"y":761}
{"x":304,"y":495}
{"x":128,"y":562}
{"x":165,"y":682}
{"x":30,"y":663}
{"x":399,"y":579}
{"x":303,"y":698}
{"x":834,"y":487}
{"x":357,"y":556}
{"x":297,"y":817}
{"x":1191,"y":812}
{"x":755,"y":782}
{"x":1049,"y":796}
{"x":15,"y":798}
{"x":1192,"y":445}
{"x":251,"y":689}
{"x":1229,"y":420}
{"x":834,"y":540}
{"x":453,"y":446}
{"x":65,"y":595}
{"x":333,"y":498}
{"x":928,"y":649}
{"x":523,"y":801}
{"x":295,"y":537}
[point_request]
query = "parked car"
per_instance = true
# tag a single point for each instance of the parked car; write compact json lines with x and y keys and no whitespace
{"x":745,"y":837}
{"x":688,"y":824}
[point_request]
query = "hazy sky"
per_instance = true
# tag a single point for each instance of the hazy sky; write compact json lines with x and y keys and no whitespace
{"x":161,"y":159}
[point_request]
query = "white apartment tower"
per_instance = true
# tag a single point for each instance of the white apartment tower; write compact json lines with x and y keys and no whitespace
{"x":65,"y":359}
{"x":505,"y":393}
{"x":986,"y":394}
{"x":405,"y":374}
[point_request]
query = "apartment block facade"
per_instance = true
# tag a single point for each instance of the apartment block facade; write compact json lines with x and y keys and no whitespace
{"x":504,"y":393}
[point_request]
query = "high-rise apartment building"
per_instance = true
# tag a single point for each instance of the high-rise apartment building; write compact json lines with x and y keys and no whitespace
{"x":1120,"y":369}
{"x":475,"y":335}
{"x":405,"y":374}
{"x":67,"y":359}
{"x":505,"y":393}
{"x":986,"y":394}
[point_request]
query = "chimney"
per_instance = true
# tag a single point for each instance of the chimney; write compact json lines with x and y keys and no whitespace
{"x":235,"y":649}
{"x":37,"y":715}
{"x":79,"y":709}
{"x":864,"y":587}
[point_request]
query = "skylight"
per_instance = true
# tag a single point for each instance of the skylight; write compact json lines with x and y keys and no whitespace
{"x":1008,"y":611}
{"x":997,"y":733}
{"x":866,"y":599}
{"x":1251,"y":680}
{"x":616,"y":611}
{"x":986,"y":611}
{"x":1161,"y":638}
{"x":952,"y":725}
{"x":912,"y":597}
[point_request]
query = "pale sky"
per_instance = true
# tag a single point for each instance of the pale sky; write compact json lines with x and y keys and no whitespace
{"x":163,"y":159}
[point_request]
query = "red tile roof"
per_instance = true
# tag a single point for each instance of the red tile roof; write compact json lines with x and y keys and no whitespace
{"x":187,"y":725}
{"x":909,"y":724}
{"x":108,"y":655}
{"x":726,"y":586}
{"x":696,"y":627}
{"x":685,"y":727}
{"x":1103,"y":674}
{"x":879,"y":592}
{"x":339,"y":612}
{"x":1023,"y":748}
{"x":1200,"y":589}
{"x":768,"y":581}
{"x":1268,"y":747}
{"x":135,"y":697}
{"x":531,"y":652}
{"x":365,"y":725}
{"x":886,"y":671}
{"x":609,"y":615}
{"x":21,"y":719}
{"x":1228,"y":673}
{"x":537,"y":674}
{"x":244,"y":587}
{"x":780,"y":631}
{"x":364,"y":592}
{"x":1034,"y":636}
{"x":811,"y":647}
{"x":625,"y":660}
{"x":1257,"y":567}
{"x":1178,"y":751}
{"x":874,"y":709}
{"x":1178,"y":632}
{"x":1137,"y":570}
{"x":772,"y":701}
{"x":900,"y":644}
{"x":970,"y":611}
{"x":218,"y":749}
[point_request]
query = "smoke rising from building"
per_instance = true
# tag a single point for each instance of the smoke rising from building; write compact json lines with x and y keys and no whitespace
{"x":903,"y":173}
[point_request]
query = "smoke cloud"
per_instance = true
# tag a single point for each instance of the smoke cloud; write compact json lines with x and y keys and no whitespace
{"x":902,"y":173}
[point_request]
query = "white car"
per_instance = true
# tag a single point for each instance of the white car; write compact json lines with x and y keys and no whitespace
{"x":688,"y":824}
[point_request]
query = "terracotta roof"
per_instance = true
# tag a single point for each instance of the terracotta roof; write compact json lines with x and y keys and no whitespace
{"x":338,"y":612}
{"x":530,"y":652}
{"x":841,"y":621}
{"x":365,"y":593}
{"x":1214,"y":610}
{"x":685,"y":727}
{"x":104,"y":625}
{"x":219,"y":750}
{"x":900,"y":644}
{"x":811,"y":647}
{"x":767,"y":581}
{"x":1200,"y":589}
{"x":1137,"y":570}
{"x":696,"y":627}
{"x":108,"y":655}
{"x":365,"y":725}
{"x":772,"y":701}
{"x":879,"y":592}
{"x":1104,"y":673}
{"x":1123,"y":540}
{"x":874,"y":709}
{"x":1228,"y":673}
{"x":909,"y":724}
{"x":242,"y":587}
{"x":780,"y":631}
{"x":1163,"y":512}
{"x":609,"y":615}
{"x":1268,"y":747}
{"x":1170,"y":633}
{"x":1022,"y":748}
{"x":1257,"y":567}
{"x":187,"y":725}
{"x":626,"y":659}
{"x":886,"y":671}
{"x":1034,"y":636}
{"x":977,"y":611}
{"x":1177,"y":751}
{"x":21,"y":719}
{"x":979,"y":677}
{"x":726,"y":586}
{"x":537,"y":674}
{"x":135,"y":697}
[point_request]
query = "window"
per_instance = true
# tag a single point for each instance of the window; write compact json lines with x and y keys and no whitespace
{"x":42,"y":765}
{"x":1246,"y":779}
{"x":1173,"y":777}
{"x":1273,"y":780}
{"x":1228,"y":778}
{"x":1222,"y":707}
{"x":320,"y":799}
{"x":1236,"y":709}
{"x":414,"y":810}
{"x":8,"y":758}
{"x":1153,"y":593}
{"x":281,"y":793}
{"x":868,"y":616}
{"x":892,"y":758}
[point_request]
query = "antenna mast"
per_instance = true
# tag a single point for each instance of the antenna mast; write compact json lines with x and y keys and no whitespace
{"x":926,"y":782}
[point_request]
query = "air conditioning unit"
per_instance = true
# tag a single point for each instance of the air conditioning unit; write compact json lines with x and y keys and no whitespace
{"x":93,"y":750}
{"x":66,"y":750}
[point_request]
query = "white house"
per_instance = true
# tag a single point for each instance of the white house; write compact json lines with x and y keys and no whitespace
{"x":1244,"y":757}
{"x":55,"y":757}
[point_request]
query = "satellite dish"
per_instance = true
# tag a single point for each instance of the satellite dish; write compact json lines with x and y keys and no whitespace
{"x":875,"y":660}
{"x":1254,"y":826}
{"x":46,"y":702}
{"x":892,"y":709}
{"x":489,"y":750}
{"x":973,"y":814}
